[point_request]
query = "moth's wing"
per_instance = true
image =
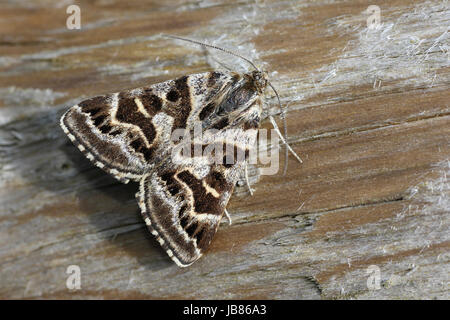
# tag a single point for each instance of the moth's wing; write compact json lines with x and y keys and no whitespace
{"x":126,"y":133}
{"x":183,"y":211}
{"x":183,"y":204}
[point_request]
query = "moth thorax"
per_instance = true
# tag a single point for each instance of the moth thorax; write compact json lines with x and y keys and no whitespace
{"x":259,"y":79}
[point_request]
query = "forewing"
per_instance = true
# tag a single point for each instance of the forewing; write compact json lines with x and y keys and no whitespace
{"x":183,"y":211}
{"x":127,"y":133}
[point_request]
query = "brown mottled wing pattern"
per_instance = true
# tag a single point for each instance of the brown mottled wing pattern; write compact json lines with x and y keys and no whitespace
{"x":128,"y":133}
{"x":184,"y":211}
{"x":183,"y":205}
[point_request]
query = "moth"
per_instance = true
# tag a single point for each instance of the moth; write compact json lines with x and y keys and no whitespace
{"x":128,"y":134}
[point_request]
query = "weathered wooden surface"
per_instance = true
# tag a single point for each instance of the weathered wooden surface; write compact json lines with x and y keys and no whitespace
{"x":368,"y":112}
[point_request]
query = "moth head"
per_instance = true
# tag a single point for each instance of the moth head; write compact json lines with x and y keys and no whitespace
{"x":260,"y":79}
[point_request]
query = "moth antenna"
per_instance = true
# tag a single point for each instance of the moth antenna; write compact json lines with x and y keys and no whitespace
{"x":288,"y":148}
{"x":213,"y":47}
{"x":283,"y":112}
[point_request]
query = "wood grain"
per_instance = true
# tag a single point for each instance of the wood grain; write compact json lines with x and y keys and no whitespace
{"x":368,"y":112}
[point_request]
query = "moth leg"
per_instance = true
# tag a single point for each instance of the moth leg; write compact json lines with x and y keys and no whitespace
{"x":277,"y":130}
{"x":228,"y":217}
{"x":247,"y":182}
